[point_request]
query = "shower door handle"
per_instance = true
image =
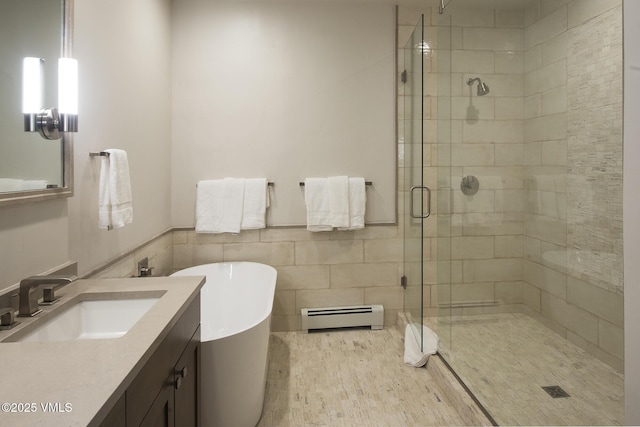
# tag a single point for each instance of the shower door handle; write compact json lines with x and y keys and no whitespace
{"x":411,"y":196}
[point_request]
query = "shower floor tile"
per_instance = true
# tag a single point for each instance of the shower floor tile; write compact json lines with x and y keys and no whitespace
{"x":506,"y":359}
{"x":349,"y":378}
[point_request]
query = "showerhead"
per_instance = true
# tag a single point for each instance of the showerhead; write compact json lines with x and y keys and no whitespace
{"x":483,"y":88}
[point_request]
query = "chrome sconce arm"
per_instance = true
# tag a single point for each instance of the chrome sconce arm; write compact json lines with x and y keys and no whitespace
{"x":50,"y":123}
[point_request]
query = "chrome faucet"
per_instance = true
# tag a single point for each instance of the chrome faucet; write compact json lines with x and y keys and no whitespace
{"x":28,"y":305}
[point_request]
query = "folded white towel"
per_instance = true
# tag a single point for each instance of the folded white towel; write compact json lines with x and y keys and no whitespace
{"x":413,"y":356}
{"x":339,"y":201}
{"x":209,"y":206}
{"x":232,"y":205}
{"x":316,"y":197}
{"x":115,"y":207}
{"x":357,"y":204}
{"x":256,"y":200}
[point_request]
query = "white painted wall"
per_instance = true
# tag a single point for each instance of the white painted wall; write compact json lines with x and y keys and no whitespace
{"x":632,"y":211}
{"x":283,"y":90}
{"x":123,"y":49}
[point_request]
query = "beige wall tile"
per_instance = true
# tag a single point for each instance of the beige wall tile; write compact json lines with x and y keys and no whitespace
{"x":605,"y":304}
{"x":391,"y":297}
{"x":611,"y":339}
{"x":484,"y":224}
{"x":383,"y":250}
{"x":464,"y":293}
{"x":509,"y":18}
{"x":286,"y":322}
{"x":546,"y":128}
{"x":496,"y":131}
{"x":471,"y":17}
{"x":509,"y":108}
{"x":480,"y":247}
{"x":509,"y":62}
{"x":508,"y":154}
{"x":546,"y":78}
{"x":546,"y":279}
{"x":469,"y":61}
{"x":482,"y":201}
{"x":329,"y":252}
{"x":495,"y":39}
{"x":508,"y":246}
{"x":555,"y":49}
{"x":509,"y":292}
{"x":531,"y":297}
{"x":290,"y":234}
{"x":365,"y":275}
{"x":554,"y":101}
{"x":490,"y":270}
{"x":292,"y":277}
{"x":571,"y":317}
{"x":546,"y":28}
{"x":284,"y":302}
{"x":583,"y":10}
{"x":472,"y":154}
{"x":279,"y":253}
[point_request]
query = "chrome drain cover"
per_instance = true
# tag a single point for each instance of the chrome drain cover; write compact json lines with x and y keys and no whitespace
{"x":555,"y":391}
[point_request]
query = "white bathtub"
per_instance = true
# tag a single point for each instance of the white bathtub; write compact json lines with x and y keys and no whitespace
{"x":236,"y":303}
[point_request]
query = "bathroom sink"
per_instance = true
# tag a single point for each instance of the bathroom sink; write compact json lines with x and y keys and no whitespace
{"x":90,"y":319}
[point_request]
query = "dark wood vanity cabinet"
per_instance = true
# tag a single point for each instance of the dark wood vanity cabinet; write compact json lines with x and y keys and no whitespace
{"x":166,"y":392}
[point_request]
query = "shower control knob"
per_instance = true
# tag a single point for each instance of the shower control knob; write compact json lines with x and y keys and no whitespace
{"x":469,"y":185}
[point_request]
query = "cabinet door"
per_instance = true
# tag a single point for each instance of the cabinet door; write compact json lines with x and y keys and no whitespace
{"x":187,"y":385}
{"x":161,"y":413}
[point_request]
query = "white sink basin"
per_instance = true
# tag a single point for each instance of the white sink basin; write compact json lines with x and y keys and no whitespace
{"x":91,"y":319}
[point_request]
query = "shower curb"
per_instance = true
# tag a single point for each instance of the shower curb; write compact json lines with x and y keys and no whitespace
{"x":454,"y":390}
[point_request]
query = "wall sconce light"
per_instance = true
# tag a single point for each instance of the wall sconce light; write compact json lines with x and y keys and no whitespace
{"x":50,"y":122}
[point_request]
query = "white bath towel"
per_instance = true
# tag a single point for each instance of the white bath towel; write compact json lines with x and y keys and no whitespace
{"x":357,"y":204}
{"x":339,"y":201}
{"x":232,"y":205}
{"x":209,"y":206}
{"x":115,"y":205}
{"x":256,"y":201}
{"x":413,"y":356}
{"x":316,"y":197}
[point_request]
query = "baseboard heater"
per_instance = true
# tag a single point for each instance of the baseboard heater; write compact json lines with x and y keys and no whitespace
{"x":342,"y":317}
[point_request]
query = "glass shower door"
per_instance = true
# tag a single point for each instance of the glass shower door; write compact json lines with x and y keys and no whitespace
{"x":416,"y":195}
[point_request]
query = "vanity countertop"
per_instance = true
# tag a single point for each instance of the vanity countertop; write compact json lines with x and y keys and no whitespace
{"x":69,"y":383}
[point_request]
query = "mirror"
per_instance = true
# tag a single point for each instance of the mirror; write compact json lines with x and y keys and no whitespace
{"x":32,"y":168}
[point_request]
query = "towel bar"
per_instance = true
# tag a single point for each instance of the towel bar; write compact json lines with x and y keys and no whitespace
{"x":99,"y":154}
{"x":365,"y":183}
{"x":269,"y":184}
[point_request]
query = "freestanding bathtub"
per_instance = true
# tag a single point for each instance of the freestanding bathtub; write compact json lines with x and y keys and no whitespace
{"x":235,"y":317}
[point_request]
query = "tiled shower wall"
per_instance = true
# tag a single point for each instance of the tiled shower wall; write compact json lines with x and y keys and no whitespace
{"x":486,"y":142}
{"x":573,"y":172}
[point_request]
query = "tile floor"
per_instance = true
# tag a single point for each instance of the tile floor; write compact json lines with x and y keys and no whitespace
{"x":506,"y":359}
{"x":357,"y":378}
{"x":350,"y":378}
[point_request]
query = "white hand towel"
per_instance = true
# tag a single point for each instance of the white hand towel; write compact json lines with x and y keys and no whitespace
{"x":115,"y":207}
{"x":34,"y":184}
{"x":10,"y":184}
{"x":232,"y":205}
{"x":413,"y":356}
{"x":209,"y":206}
{"x":357,"y":204}
{"x":255,"y":204}
{"x":316,"y":197}
{"x":339,"y":201}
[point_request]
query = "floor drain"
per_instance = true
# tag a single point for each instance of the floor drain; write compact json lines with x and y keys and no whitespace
{"x":555,"y":391}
